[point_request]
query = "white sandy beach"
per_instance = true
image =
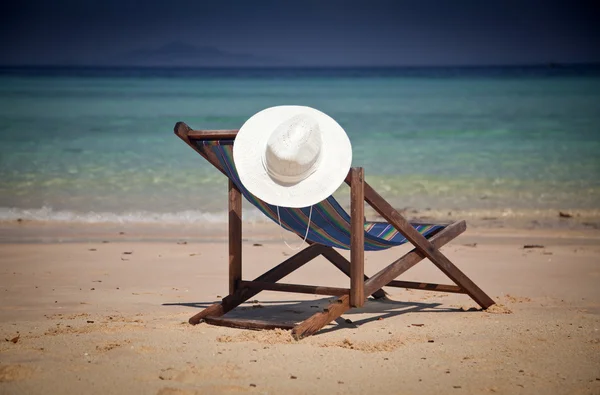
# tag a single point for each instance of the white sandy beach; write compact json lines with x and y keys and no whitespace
{"x":108,"y":315}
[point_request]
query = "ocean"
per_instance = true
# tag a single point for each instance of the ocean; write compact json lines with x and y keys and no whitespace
{"x":97,"y":144}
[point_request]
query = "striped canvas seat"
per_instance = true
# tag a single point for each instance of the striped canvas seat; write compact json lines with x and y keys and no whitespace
{"x":330,"y":223}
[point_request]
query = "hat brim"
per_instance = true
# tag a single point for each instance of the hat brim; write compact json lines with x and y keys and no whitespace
{"x":250,"y":144}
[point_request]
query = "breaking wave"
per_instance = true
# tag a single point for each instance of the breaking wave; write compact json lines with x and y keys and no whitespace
{"x":48,"y":214}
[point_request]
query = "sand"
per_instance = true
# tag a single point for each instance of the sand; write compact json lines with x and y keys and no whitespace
{"x":105,"y":312}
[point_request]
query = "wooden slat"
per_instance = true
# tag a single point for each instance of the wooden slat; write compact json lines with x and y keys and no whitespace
{"x":335,"y":309}
{"x":212,"y":134}
{"x":419,"y":241}
{"x":275,"y":274}
{"x":357,"y":237}
{"x":182,"y":131}
{"x":248,"y":324}
{"x":297,"y":288}
{"x":426,"y":286}
{"x":344,"y":266}
{"x":235,"y":236}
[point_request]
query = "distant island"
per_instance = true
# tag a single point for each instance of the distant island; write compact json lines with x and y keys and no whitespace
{"x":187,"y":55}
{"x":181,"y":54}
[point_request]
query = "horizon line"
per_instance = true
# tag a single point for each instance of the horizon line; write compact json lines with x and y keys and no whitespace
{"x":292,"y":67}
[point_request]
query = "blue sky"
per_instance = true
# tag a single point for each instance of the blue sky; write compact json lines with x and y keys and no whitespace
{"x":306,"y":32}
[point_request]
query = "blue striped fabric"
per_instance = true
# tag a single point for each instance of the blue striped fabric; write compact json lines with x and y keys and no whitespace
{"x":330,"y":224}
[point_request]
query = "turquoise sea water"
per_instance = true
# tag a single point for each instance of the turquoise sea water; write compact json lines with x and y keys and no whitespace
{"x":98,"y":144}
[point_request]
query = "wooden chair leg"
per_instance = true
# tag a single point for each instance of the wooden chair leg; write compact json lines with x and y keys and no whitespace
{"x":357,"y":237}
{"x":235,"y":236}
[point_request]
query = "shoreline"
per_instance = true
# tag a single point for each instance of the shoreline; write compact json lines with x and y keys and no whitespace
{"x":32,"y":232}
{"x":547,"y":223}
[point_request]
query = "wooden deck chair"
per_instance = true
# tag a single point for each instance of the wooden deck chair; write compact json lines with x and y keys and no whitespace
{"x":331,"y":227}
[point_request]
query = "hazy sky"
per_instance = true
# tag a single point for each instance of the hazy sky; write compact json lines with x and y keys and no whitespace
{"x":305,"y":32}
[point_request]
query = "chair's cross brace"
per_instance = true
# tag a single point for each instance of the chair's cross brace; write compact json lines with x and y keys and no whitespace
{"x":296,"y":288}
{"x":275,"y":274}
{"x":343,"y":265}
{"x":426,"y":286}
{"x":248,"y":324}
{"x":317,"y":321}
{"x":399,"y":266}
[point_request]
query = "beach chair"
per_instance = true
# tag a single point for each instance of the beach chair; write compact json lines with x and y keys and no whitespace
{"x":330,"y":227}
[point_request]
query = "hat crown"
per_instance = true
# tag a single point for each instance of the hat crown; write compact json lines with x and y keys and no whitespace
{"x":293,"y":150}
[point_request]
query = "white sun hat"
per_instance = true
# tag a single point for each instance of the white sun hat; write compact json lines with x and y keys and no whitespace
{"x":292,"y":156}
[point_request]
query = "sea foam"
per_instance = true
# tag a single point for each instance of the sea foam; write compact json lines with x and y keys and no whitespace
{"x":47,"y":214}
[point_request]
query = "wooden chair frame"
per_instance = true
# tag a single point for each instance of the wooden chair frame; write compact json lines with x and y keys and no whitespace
{"x":360,"y":285}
